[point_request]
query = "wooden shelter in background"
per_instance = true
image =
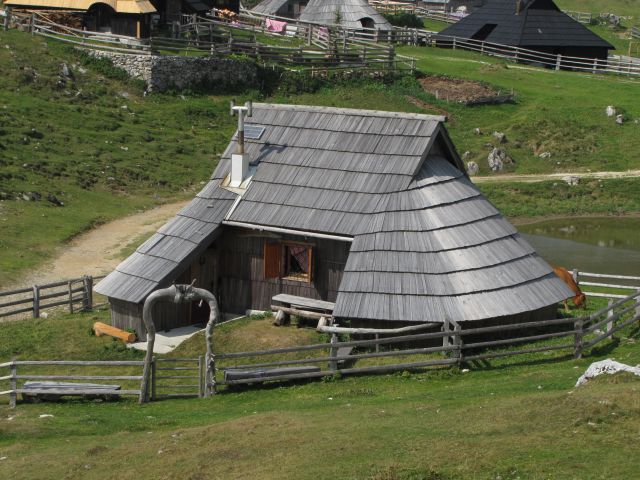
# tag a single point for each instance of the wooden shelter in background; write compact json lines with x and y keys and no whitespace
{"x":370,"y":210}
{"x":130,"y":18}
{"x":530,"y":24}
{"x":281,"y":8}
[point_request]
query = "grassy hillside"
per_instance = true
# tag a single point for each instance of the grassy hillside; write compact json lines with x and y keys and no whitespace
{"x":96,"y":143}
{"x":504,"y":419}
{"x":619,"y":7}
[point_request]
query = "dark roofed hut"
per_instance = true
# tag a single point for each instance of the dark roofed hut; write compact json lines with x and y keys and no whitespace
{"x":370,"y":210}
{"x":530,"y":24}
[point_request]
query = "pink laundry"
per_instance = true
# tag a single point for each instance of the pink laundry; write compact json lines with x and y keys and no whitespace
{"x":275,"y":26}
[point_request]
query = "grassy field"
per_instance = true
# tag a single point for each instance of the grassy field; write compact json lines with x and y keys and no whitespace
{"x":505,"y":419}
{"x":619,"y":7}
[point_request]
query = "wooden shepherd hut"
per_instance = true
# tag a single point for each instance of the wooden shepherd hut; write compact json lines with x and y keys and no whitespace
{"x":131,"y":18}
{"x":371,"y":210}
{"x":531,"y":24}
{"x":352,"y":14}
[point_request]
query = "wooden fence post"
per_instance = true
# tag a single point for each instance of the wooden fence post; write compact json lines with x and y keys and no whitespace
{"x":32,"y":22}
{"x":7,"y":18}
{"x":333,"y":364}
{"x":36,"y":301}
{"x":577,"y":342}
{"x":457,"y":342}
{"x":638,"y":308}
{"x":200,"y":377}
{"x":558,"y":61}
{"x":153,"y":378}
{"x":595,"y":65}
{"x":446,"y":327}
{"x":454,"y":43}
{"x":70,"y":287}
{"x":609,"y":315}
{"x":87,"y":282}
{"x":13,"y":396}
{"x":309,"y":34}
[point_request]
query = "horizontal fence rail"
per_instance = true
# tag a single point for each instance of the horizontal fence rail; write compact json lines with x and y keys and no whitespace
{"x":17,"y":386}
{"x":76,"y":294}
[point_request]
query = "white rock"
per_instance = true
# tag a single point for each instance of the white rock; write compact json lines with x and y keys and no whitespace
{"x":497,"y":159}
{"x":46,"y":415}
{"x":606,"y":366}
{"x":620,"y":119}
{"x":571,"y":180}
{"x":610,"y":111}
{"x":472,"y":168}
{"x":545,"y":155}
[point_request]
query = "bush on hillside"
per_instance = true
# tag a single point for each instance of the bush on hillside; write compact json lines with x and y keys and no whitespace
{"x":404,"y":20}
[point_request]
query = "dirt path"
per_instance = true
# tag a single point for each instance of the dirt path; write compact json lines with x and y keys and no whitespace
{"x":98,"y":251}
{"x":555,"y":176}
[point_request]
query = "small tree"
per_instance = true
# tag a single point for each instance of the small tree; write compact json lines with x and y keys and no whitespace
{"x":337,"y":16}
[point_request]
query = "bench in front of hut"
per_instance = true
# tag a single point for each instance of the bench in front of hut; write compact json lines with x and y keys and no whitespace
{"x":300,"y":306}
{"x":52,"y":391}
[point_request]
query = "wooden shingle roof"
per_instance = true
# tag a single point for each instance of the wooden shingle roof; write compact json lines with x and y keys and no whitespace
{"x":348,"y":13}
{"x":539,"y":23}
{"x":426,"y":243}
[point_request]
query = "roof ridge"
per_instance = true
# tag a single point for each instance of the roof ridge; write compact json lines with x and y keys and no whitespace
{"x":351,"y":111}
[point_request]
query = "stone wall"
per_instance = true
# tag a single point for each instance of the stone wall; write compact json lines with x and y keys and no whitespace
{"x":162,"y":73}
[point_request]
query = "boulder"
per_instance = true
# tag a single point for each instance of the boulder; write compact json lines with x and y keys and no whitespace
{"x":472,"y":168}
{"x":497,"y":159}
{"x":53,"y":199}
{"x":619,"y":119}
{"x":571,"y":180}
{"x":545,"y":155}
{"x":610,"y":111}
{"x":500,"y":137}
{"x":607,"y":366}
{"x":477,"y":131}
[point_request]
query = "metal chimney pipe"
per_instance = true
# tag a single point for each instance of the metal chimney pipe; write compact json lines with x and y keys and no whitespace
{"x":240,"y":161}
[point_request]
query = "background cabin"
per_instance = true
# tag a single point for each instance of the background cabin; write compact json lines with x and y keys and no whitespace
{"x":537,"y":25}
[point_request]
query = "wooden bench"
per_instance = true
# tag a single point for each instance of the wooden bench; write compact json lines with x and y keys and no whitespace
{"x":52,"y":391}
{"x":232,"y":375}
{"x":300,"y":306}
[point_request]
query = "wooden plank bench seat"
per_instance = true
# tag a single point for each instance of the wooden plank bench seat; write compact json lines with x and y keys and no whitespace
{"x":301,"y":306}
{"x":33,"y":391}
{"x":261,"y":375}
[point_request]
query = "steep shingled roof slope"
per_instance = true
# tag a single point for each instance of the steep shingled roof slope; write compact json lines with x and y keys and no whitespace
{"x":351,"y":12}
{"x":540,"y":23}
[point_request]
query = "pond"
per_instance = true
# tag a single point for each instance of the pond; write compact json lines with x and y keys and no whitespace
{"x":601,"y":245}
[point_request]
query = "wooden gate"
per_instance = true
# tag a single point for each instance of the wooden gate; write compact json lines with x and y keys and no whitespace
{"x":177,"y":378}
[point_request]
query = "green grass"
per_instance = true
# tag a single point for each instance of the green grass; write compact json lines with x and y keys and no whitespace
{"x":507,"y":419}
{"x":618,"y":7}
{"x":607,"y":197}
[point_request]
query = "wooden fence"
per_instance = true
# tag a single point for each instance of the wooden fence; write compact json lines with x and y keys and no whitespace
{"x":76,"y":294}
{"x":16,"y":379}
{"x":635,"y":32}
{"x":576,"y":336}
{"x":604,"y":282}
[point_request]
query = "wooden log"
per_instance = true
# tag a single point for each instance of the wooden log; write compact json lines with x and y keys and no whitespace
{"x":295,"y":311}
{"x":83,"y":363}
{"x":79,"y":377}
{"x":365,"y":331}
{"x":103,"y":329}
